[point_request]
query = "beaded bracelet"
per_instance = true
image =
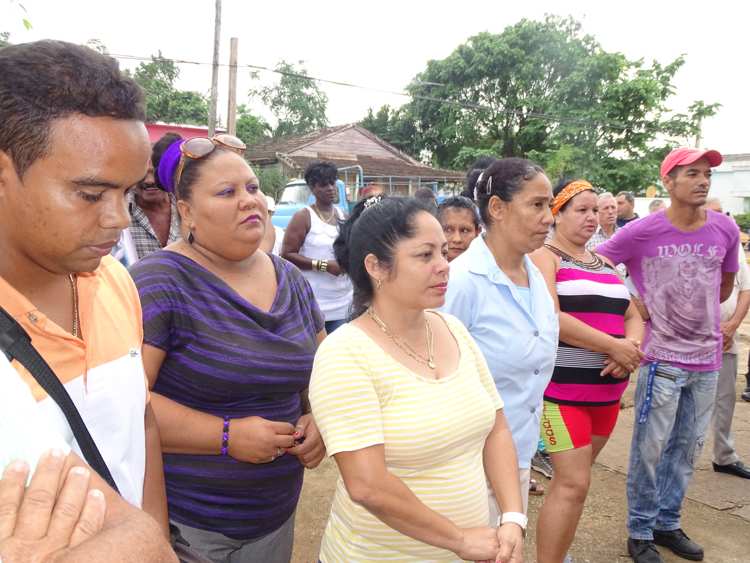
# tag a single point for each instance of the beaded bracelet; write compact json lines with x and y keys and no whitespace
{"x":225,"y":437}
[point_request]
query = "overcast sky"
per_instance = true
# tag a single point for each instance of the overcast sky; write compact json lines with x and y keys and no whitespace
{"x":384,"y":44}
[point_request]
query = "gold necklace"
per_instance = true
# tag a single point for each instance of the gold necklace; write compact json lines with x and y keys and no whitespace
{"x":320,"y":214}
{"x":74,"y":292}
{"x":429,"y":361}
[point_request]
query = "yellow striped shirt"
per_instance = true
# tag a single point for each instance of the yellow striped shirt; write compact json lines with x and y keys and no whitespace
{"x":433,"y":433}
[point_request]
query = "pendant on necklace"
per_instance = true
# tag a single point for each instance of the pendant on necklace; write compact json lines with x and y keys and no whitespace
{"x":431,"y":364}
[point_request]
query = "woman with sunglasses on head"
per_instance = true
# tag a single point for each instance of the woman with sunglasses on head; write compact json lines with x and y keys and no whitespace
{"x":407,"y":407}
{"x":308,"y":244}
{"x":230,"y":333}
{"x":459,"y":218}
{"x":600,"y":333}
{"x":502,"y":299}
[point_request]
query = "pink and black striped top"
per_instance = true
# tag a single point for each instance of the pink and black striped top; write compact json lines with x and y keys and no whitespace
{"x":598,"y":298}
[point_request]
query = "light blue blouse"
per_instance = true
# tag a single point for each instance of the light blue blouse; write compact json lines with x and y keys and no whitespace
{"x":518,"y":342}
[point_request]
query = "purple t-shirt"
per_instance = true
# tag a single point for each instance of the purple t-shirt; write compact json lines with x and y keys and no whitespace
{"x":678,"y":276}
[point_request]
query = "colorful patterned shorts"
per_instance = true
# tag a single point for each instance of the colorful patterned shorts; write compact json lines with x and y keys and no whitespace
{"x":567,"y":427}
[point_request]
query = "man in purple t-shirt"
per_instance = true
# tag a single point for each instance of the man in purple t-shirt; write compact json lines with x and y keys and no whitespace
{"x":682,"y":262}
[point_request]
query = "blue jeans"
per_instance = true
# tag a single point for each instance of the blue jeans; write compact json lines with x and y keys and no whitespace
{"x":666,"y":445}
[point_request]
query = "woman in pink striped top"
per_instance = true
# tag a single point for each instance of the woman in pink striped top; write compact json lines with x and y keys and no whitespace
{"x":600,"y":333}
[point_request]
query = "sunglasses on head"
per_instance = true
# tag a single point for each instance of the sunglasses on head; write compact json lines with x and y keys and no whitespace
{"x":200,"y":147}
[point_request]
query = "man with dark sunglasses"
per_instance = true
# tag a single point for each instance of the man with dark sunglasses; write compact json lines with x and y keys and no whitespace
{"x":72,"y":143}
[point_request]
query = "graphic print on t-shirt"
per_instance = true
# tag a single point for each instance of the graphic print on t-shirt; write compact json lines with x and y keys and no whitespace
{"x":683,"y":281}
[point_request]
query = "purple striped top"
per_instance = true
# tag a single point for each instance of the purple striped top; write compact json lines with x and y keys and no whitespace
{"x":228,"y":358}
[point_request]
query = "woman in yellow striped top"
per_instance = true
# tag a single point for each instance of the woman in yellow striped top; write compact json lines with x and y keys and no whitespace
{"x":407,"y":407}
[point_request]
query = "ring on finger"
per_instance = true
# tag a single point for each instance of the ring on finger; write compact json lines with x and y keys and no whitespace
{"x":279,"y":452}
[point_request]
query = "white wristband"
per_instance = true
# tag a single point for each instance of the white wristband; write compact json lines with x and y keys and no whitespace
{"x":514,"y":518}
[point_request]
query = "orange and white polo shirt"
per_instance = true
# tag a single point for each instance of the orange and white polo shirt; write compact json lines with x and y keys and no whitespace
{"x":103,"y":372}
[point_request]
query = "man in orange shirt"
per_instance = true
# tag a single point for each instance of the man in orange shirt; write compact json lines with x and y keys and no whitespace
{"x":72,"y":143}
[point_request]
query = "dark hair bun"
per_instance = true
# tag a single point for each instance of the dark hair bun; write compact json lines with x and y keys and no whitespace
{"x":375,"y":226}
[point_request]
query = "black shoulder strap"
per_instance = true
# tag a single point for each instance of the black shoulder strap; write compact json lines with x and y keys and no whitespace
{"x":16,"y":344}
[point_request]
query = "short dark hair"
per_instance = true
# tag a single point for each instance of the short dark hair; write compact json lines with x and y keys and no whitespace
{"x":48,"y":80}
{"x":508,"y":177}
{"x":321,"y":174}
{"x":472,"y":175}
{"x":425,"y":194}
{"x":459,"y":202}
{"x":373,"y":228}
{"x":627,"y":195}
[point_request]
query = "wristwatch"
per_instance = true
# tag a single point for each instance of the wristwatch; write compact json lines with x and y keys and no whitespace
{"x":514,"y":518}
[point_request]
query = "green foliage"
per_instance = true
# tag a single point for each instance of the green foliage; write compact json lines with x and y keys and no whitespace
{"x":4,"y":39}
{"x":164,"y":102}
{"x":545,"y":90}
{"x":394,"y":126}
{"x":272,"y":181}
{"x":97,"y":45}
{"x":24,"y":19}
{"x":296,"y":101}
{"x":743,"y":221}
{"x":469,"y":155}
{"x":251,"y":128}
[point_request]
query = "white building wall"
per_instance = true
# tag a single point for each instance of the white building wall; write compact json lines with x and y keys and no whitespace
{"x":730,"y":182}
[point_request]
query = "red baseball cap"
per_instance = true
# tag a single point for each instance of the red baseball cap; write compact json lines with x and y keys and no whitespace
{"x":687,"y":155}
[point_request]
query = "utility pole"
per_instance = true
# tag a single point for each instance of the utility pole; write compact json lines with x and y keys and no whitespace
{"x":699,"y":134}
{"x":232,"y":110}
{"x":215,"y":73}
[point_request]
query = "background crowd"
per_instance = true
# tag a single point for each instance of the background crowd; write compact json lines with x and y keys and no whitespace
{"x":426,"y":345}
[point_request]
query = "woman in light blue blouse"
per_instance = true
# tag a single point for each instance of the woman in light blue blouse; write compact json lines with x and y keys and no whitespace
{"x":502,"y":298}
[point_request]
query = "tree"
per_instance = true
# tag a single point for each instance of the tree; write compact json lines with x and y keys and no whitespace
{"x":272,"y":181}
{"x":296,"y":101}
{"x":97,"y":45}
{"x":395,"y":126}
{"x":164,"y":102}
{"x":4,"y":39}
{"x":251,"y":128}
{"x":545,"y":90}
{"x":24,"y":16}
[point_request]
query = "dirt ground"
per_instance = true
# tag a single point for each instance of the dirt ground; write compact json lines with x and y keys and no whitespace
{"x":715,"y":514}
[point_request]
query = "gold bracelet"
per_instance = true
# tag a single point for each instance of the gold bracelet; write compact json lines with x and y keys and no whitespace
{"x":315,"y":265}
{"x":323,"y":266}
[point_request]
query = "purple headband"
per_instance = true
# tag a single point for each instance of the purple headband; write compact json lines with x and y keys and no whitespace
{"x":168,"y":166}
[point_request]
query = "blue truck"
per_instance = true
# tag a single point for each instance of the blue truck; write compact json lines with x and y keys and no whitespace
{"x":297,"y":194}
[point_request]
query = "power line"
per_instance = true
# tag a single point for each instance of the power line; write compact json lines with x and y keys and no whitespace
{"x":608,"y":124}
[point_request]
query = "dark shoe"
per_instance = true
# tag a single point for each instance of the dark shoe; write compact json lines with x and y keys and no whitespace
{"x":643,"y":551}
{"x":746,"y":394}
{"x":678,"y":542}
{"x":737,"y":468}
